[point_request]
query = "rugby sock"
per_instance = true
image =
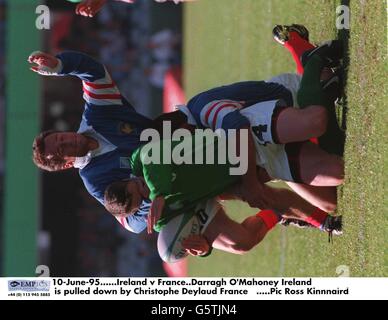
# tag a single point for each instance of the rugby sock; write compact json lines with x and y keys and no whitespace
{"x":333,"y":140}
{"x":317,"y":218}
{"x":296,"y":45}
{"x":269,"y":217}
{"x":310,"y":91}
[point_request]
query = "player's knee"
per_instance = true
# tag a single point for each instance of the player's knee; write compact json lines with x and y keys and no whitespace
{"x":317,"y":121}
{"x":337,"y":167}
{"x":334,"y":169}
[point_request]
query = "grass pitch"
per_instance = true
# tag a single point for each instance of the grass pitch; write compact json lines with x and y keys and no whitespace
{"x":230,"y":40}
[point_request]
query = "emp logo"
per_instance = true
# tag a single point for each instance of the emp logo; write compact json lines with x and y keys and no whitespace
{"x":42,"y":22}
{"x":343,"y":17}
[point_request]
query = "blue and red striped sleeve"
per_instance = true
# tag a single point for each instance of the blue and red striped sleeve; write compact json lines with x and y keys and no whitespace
{"x":220,"y":107}
{"x":98,"y":86}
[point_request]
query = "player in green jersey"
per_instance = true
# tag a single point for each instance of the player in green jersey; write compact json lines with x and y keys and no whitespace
{"x":186,"y":209}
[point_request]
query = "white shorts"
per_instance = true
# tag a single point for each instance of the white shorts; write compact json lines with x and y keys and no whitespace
{"x":179,"y":228}
{"x":291,"y":81}
{"x":269,"y":155}
{"x":273,"y":158}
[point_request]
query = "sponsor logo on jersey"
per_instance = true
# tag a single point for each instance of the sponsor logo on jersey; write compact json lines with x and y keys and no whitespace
{"x":125,"y":162}
{"x":125,"y":128}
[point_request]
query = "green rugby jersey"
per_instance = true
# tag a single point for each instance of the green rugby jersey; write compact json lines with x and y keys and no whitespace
{"x":182,"y":185}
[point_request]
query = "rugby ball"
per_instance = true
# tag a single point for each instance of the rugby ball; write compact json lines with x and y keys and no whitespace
{"x":170,"y":237}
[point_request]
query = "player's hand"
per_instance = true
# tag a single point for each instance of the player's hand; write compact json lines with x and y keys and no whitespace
{"x":44,"y":63}
{"x":196,"y":245}
{"x":156,"y":210}
{"x":89,"y":8}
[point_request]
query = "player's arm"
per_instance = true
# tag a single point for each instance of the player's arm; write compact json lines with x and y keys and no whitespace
{"x":89,"y":8}
{"x":156,"y":211}
{"x":158,"y":179}
{"x":98,"y":86}
{"x":133,"y":223}
{"x":67,"y":63}
{"x":137,"y":222}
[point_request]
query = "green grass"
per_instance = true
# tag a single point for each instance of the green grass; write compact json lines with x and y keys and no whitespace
{"x":230,"y":40}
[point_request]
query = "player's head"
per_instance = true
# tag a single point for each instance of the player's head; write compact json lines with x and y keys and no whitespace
{"x":177,"y":119}
{"x":123,"y":198}
{"x":55,"y":150}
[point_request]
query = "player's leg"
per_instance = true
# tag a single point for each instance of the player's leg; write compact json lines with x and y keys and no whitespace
{"x":294,"y":208}
{"x":295,"y":39}
{"x":292,"y":124}
{"x":325,"y":198}
{"x":313,"y":93}
{"x":291,"y":204}
{"x":275,"y":123}
{"x":316,"y":111}
{"x":303,"y":198}
{"x":314,"y":166}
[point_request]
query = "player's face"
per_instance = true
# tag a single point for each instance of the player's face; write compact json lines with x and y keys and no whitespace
{"x":136,"y":195}
{"x":66,"y":145}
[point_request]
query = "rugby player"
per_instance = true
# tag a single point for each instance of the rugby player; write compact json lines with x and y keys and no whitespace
{"x":275,"y":129}
{"x":159,"y":178}
{"x":47,"y":65}
{"x":191,"y":190}
{"x":108,"y":134}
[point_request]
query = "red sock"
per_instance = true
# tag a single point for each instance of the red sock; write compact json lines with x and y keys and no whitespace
{"x":297,"y":46}
{"x":269,"y":217}
{"x":317,"y":218}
